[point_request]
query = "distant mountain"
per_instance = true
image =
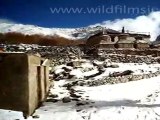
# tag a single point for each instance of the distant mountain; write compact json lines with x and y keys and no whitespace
{"x":68,"y":33}
{"x":158,"y":38}
{"x":30,"y":34}
{"x":157,"y":41}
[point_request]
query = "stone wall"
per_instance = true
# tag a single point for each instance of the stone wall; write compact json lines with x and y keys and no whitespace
{"x":113,"y":80}
{"x":131,"y":59}
{"x":62,"y":54}
{"x":142,"y":52}
{"x":13,"y":82}
{"x":125,"y":45}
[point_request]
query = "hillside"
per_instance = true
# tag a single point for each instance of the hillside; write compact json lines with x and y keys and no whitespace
{"x":17,"y":38}
{"x":30,"y":34}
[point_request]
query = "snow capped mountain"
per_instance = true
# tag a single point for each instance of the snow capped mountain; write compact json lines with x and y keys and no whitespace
{"x":69,"y":33}
{"x":158,"y":38}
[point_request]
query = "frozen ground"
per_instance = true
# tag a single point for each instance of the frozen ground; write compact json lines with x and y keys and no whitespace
{"x":87,"y":69}
{"x":136,"y":100}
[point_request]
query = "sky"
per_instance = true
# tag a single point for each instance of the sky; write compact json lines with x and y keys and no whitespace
{"x":63,"y":14}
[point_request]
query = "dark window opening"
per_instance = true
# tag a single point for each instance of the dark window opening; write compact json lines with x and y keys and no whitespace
{"x":116,"y":45}
{"x":139,"y":38}
{"x":113,"y":39}
{"x":135,"y":46}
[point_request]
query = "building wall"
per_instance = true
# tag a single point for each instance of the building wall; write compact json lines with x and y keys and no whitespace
{"x":146,"y":39}
{"x":125,"y":45}
{"x":106,"y":46}
{"x":14,"y":82}
{"x":122,"y":37}
{"x":22,"y":85}
{"x":142,"y":45}
{"x":33,"y":63}
{"x":130,"y":38}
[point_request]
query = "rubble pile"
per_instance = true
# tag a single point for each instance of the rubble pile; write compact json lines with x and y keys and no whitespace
{"x":85,"y":73}
{"x":132,"y":59}
{"x":63,"y":54}
{"x":111,"y":80}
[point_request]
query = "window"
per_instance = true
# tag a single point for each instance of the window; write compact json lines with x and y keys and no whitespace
{"x":139,"y":38}
{"x":112,"y":38}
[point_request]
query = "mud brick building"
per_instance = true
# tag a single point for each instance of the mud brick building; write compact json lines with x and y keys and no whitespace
{"x":24,"y":82}
{"x":108,"y":38}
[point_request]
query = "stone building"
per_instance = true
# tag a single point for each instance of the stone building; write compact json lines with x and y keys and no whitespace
{"x":114,"y":39}
{"x":103,"y":39}
{"x":141,"y":41}
{"x":141,"y":44}
{"x":24,"y":82}
{"x":125,"y":41}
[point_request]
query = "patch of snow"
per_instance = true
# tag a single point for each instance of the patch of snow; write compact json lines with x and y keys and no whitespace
{"x":136,"y":100}
{"x":76,"y":72}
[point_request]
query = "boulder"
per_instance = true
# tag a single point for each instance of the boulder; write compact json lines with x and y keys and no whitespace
{"x":66,"y":100}
{"x":53,"y":95}
{"x":74,"y":95}
{"x":70,"y":64}
{"x":35,"y":116}
{"x":117,"y":74}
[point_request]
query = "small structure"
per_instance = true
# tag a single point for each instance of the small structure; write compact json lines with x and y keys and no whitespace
{"x":103,"y":39}
{"x":24,"y":82}
{"x":125,"y":41}
{"x":141,"y":44}
{"x":108,"y":38}
{"x":142,"y":41}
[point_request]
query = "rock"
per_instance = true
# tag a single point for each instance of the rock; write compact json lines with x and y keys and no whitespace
{"x":117,"y":74}
{"x":66,"y":69}
{"x":80,"y":104}
{"x":81,"y":83}
{"x":52,"y":100}
{"x":114,"y":66}
{"x":75,"y":99}
{"x":94,"y":75}
{"x":71,"y":76}
{"x":75,"y":96}
{"x":35,"y":116}
{"x":101,"y":68}
{"x":111,"y":66}
{"x":68,"y":85}
{"x":66,"y":100}
{"x":59,"y":77}
{"x":72,"y":90}
{"x":127,"y":72}
{"x":70,"y":64}
{"x":78,"y":110}
{"x":53,"y":95}
{"x":65,"y":75}
{"x":150,"y":95}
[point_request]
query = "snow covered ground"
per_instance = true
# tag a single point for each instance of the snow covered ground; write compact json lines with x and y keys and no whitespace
{"x":136,"y":100}
{"x":87,"y":69}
